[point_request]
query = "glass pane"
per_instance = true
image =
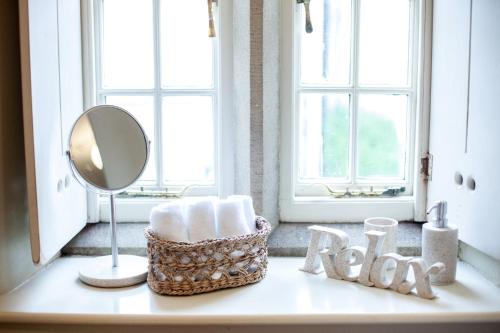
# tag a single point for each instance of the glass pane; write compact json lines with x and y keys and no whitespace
{"x":186,"y":49}
{"x":142,"y":108}
{"x":188,"y":139}
{"x":127,"y":55}
{"x":323,"y":135}
{"x":381,"y":146}
{"x":384,"y":42}
{"x":325,"y":53}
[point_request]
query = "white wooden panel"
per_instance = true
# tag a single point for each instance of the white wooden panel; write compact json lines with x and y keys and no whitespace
{"x":58,"y":215}
{"x":70,"y":63}
{"x":71,"y":89}
{"x":44,"y":61}
{"x":467,"y":143}
{"x":481,"y":227}
{"x":450,"y":60}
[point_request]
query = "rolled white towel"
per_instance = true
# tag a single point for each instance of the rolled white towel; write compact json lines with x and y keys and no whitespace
{"x":167,"y":221}
{"x":200,"y":220}
{"x":231,"y":219}
{"x":247,"y":209}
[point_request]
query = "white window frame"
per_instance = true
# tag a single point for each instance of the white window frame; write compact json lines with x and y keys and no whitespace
{"x":313,"y":205}
{"x":138,"y":209}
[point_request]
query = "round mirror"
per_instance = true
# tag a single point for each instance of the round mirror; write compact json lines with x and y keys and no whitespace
{"x":108,"y":149}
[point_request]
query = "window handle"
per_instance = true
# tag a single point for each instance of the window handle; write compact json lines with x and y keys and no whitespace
{"x":211,"y":26}
{"x":309,"y":27}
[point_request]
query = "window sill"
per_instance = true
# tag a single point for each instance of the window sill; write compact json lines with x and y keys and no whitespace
{"x":286,"y":298}
{"x":288,"y":239}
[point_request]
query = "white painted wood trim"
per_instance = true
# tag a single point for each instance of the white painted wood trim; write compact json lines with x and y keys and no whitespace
{"x":287,"y":188}
{"x":89,"y":85}
{"x":226,"y":119}
{"x":128,"y":210}
{"x":326,"y":210}
{"x":423,"y":107}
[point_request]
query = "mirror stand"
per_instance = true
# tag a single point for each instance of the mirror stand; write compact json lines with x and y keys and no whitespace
{"x":114,"y":270}
{"x":108,"y":152}
{"x":112,"y":222}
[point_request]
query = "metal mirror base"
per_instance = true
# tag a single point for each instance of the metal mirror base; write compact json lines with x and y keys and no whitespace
{"x":100,"y":273}
{"x":115,"y":270}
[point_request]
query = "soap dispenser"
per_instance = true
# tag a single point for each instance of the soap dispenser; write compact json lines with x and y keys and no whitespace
{"x":440,"y":244}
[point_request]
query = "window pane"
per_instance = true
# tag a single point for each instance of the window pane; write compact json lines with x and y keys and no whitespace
{"x":127,"y":57}
{"x":384,"y":42}
{"x":325,"y":53}
{"x":141,"y":107}
{"x":382,"y":135}
{"x":186,"y":49}
{"x":323,"y":135}
{"x":188,"y":139}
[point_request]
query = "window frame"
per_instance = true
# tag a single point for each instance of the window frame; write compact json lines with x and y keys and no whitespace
{"x":135,"y":209}
{"x":311,"y":203}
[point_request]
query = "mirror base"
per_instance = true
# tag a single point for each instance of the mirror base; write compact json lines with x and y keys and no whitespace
{"x":100,"y":273}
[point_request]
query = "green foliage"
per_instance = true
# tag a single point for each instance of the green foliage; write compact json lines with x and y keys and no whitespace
{"x":335,"y":138}
{"x":377,"y":148}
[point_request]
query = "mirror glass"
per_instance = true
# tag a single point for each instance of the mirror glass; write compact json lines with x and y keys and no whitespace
{"x":108,"y":148}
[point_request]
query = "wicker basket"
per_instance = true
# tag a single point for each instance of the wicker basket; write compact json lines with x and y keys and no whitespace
{"x":177,"y":268}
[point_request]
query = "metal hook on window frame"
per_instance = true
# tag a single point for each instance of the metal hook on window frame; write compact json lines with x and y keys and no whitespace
{"x":385,"y":191}
{"x":165,"y":194}
{"x":309,"y":27}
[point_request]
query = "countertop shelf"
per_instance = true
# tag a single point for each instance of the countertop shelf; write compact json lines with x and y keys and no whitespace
{"x":285,"y":296}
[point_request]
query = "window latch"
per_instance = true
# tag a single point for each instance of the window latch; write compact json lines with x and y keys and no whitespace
{"x":309,"y":27}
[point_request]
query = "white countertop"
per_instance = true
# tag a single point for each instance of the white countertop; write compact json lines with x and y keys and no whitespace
{"x":285,"y":296}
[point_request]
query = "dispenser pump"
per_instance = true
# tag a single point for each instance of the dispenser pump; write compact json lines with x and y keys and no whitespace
{"x":441,"y":220}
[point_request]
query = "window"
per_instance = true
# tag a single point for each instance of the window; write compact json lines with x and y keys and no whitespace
{"x":350,"y":103}
{"x":154,"y":58}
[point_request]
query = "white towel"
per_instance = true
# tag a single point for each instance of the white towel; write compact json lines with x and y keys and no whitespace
{"x":247,"y":209}
{"x":200,"y":220}
{"x":231,"y":219}
{"x":167,"y":221}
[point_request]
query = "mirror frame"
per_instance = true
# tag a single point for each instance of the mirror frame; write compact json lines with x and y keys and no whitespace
{"x":92,"y":187}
